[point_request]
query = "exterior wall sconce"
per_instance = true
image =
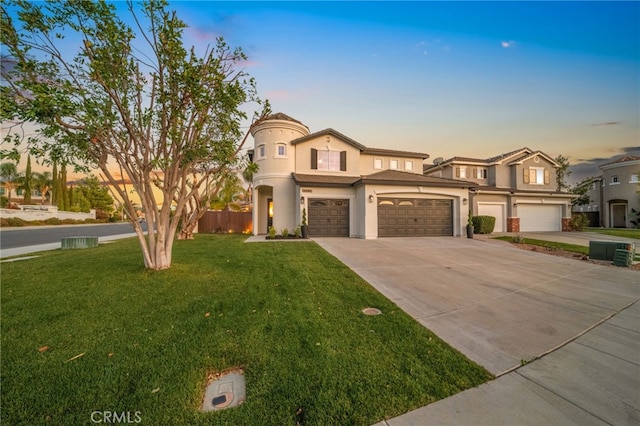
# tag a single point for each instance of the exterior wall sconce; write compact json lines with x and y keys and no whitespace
{"x":302,"y":200}
{"x":371,"y":198}
{"x":465,"y":201}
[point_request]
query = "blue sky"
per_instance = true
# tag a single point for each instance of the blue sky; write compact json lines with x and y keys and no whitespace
{"x":446,"y":78}
{"x":455,"y":78}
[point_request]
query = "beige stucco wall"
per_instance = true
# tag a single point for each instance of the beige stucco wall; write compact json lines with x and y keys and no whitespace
{"x":625,"y":189}
{"x":326,"y":143}
{"x":367,"y":164}
{"x":518,"y":175}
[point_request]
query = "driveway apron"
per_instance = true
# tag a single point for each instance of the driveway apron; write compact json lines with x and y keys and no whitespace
{"x":498,"y":305}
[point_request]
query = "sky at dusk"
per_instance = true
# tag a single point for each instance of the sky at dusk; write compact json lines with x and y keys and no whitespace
{"x":472,"y":79}
{"x":450,"y":79}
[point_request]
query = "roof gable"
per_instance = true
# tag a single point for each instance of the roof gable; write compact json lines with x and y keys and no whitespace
{"x":528,"y":156}
{"x":363,"y":149}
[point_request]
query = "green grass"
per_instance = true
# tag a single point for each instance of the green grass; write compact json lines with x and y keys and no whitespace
{"x":287,"y":313}
{"x":616,"y":232}
{"x":551,"y":245}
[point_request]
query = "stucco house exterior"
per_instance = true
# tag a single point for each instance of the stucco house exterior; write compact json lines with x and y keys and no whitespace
{"x":517,"y":188}
{"x":347,"y":189}
{"x":614,"y":195}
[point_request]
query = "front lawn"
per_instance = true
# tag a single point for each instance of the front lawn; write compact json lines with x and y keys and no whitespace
{"x":617,"y":232}
{"x":91,"y":330}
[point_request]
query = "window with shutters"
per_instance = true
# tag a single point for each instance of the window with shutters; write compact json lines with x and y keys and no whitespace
{"x":333,"y":161}
{"x":536,"y":176}
{"x":480,"y":173}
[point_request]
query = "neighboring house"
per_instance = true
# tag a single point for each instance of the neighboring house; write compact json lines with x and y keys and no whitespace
{"x":346,"y":188}
{"x":517,"y":188}
{"x":614,"y":195}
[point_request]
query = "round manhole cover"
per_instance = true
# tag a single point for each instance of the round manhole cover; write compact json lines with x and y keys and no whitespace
{"x":371,"y":311}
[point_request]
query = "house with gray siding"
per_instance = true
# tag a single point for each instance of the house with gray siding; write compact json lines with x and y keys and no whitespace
{"x":518,"y":188}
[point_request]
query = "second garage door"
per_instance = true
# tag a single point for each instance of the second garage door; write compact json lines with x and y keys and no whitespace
{"x":405,"y":217}
{"x":538,"y":217}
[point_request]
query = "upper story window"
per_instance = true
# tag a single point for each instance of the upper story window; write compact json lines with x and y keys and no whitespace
{"x":333,"y":161}
{"x":377,"y":163}
{"x":635,"y":178}
{"x":615,"y":179}
{"x":408,"y":165}
{"x":536,"y":176}
{"x":393,"y":164}
{"x":281,"y":150}
{"x":481,"y":173}
{"x":461,"y":172}
{"x":261,"y":152}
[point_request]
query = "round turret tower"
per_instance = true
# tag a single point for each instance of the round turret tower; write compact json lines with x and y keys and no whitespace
{"x":274,"y":188}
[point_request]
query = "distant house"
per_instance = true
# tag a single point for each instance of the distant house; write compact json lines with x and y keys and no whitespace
{"x":614,"y":196}
{"x":517,"y":188}
{"x":348,"y":189}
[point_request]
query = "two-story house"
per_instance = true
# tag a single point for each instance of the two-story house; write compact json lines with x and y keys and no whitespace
{"x":348,"y":189}
{"x":517,"y":188}
{"x":613,"y":197}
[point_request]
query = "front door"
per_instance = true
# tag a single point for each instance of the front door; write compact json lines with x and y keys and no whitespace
{"x":619,"y":215}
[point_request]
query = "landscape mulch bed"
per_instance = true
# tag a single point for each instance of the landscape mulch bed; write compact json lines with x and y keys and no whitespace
{"x":570,"y":254}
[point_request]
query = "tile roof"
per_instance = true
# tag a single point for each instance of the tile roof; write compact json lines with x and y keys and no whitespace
{"x":396,"y":177}
{"x":622,"y":160}
{"x":324,"y":180}
{"x":385,"y":177}
{"x":278,"y":116}
{"x":520,"y":191}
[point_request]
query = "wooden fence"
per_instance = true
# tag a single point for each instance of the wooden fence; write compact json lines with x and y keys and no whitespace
{"x":225,"y":222}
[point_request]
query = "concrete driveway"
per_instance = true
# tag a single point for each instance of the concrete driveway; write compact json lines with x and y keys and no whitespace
{"x":501,"y":306}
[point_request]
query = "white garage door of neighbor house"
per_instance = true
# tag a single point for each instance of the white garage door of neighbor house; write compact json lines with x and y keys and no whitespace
{"x":495,"y":210}
{"x":535,"y":217}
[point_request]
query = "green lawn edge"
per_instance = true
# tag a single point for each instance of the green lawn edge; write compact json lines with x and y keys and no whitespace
{"x":289,"y":314}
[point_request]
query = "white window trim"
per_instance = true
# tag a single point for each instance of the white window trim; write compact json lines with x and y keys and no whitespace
{"x":635,"y":178}
{"x":614,"y":182}
{"x":537,"y":169}
{"x":391,"y":165}
{"x":375,"y":163}
{"x":463,"y":172}
{"x":278,"y":145}
{"x":261,"y":155}
{"x":408,"y":165}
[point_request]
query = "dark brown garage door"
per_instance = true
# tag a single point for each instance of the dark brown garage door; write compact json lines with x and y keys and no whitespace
{"x":405,"y":217}
{"x":328,"y":218}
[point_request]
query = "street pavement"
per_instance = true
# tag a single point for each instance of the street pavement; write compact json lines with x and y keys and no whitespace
{"x":561,"y":335}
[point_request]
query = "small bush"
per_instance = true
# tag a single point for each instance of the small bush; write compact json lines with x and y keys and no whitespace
{"x":4,"y":222}
{"x":579,"y":222}
{"x":4,"y":202}
{"x":272,"y":232}
{"x":69,"y":221}
{"x":484,"y":224}
{"x":297,"y":232}
{"x":102,"y":215}
{"x":52,"y":221}
{"x":285,"y":233}
{"x":14,"y":221}
{"x":518,"y":239}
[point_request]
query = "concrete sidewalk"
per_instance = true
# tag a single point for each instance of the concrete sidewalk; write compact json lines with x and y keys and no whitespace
{"x":593,"y":380}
